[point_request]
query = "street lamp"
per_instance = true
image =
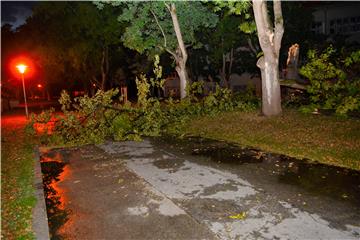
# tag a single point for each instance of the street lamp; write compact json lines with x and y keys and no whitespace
{"x":22,"y":68}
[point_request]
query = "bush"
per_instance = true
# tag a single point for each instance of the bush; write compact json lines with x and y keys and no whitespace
{"x":93,"y":119}
{"x":333,"y":85}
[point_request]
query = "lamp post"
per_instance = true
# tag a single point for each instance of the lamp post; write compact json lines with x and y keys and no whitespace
{"x":22,"y":68}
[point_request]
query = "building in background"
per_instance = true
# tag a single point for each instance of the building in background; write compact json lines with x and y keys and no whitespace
{"x":337,"y":18}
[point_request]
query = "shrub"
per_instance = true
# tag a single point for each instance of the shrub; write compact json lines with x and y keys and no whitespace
{"x":93,"y":119}
{"x":332,"y":84}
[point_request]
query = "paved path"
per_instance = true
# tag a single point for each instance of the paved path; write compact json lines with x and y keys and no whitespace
{"x":159,"y":190}
{"x":102,"y":199}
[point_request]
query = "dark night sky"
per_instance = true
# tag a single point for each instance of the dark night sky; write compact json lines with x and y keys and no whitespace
{"x":15,"y":12}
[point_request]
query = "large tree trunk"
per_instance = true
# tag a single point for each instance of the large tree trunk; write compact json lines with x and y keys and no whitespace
{"x":270,"y":42}
{"x":181,"y":71}
{"x":181,"y":54}
{"x":271,"y":96}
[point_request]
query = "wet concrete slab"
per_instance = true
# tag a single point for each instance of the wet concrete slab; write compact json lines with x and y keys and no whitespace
{"x":92,"y":195}
{"x":245,"y":193}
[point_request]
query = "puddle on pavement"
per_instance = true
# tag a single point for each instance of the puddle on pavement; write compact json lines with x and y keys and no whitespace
{"x":53,"y":169}
{"x":319,"y":179}
{"x":229,"y":154}
{"x":315,"y":178}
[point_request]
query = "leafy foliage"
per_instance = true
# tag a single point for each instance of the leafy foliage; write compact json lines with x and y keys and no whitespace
{"x":238,"y":8}
{"x":332,"y":84}
{"x":226,"y":37}
{"x":93,"y":119}
{"x":150,"y":28}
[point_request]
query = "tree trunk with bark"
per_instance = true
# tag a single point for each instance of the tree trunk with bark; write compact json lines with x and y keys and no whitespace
{"x":181,"y":53}
{"x":271,"y":96}
{"x":183,"y":76}
{"x":270,"y":36}
{"x":104,"y":67}
{"x":230,"y":67}
{"x":226,"y":70}
{"x":292,"y":71}
{"x":223,"y":71}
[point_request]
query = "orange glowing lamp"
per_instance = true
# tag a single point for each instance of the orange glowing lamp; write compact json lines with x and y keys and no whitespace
{"x":39,"y":86}
{"x":22,"y":68}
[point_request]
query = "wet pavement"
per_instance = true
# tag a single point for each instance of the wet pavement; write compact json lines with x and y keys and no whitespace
{"x":91,"y":195}
{"x":199,"y":189}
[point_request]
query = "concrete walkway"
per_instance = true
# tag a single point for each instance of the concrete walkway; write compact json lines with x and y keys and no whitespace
{"x":105,"y":200}
{"x":158,"y":190}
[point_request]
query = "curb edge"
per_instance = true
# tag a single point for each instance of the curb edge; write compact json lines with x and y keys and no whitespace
{"x":39,"y":220}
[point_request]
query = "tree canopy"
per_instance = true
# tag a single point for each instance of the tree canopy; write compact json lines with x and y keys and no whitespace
{"x":150,"y":28}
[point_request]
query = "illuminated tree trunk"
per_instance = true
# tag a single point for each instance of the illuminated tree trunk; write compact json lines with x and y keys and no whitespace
{"x":292,"y":61}
{"x":181,"y":53}
{"x":183,"y":76}
{"x":271,"y":96}
{"x":270,"y":41}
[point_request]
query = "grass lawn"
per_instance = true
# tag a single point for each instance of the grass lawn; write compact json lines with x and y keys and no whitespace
{"x":17,"y":191}
{"x":326,"y":139}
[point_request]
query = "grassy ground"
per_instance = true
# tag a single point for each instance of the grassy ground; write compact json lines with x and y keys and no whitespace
{"x":329,"y":140}
{"x":17,"y":191}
